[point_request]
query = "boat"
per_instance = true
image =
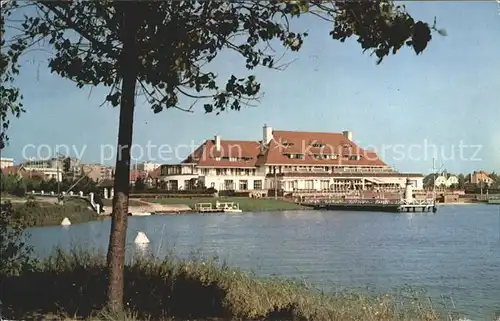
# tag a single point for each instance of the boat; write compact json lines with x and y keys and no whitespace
{"x":228,"y":207}
{"x":495,"y":201}
{"x":206,"y":208}
{"x":220,"y":207}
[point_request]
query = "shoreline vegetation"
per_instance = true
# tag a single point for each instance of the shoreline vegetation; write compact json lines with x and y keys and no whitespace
{"x":38,"y":213}
{"x":44,"y":213}
{"x":70,"y":286}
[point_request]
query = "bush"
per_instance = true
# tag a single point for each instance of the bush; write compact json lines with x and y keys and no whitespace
{"x":33,"y":213}
{"x":232,"y":193}
{"x":74,"y":284}
{"x":15,"y":253}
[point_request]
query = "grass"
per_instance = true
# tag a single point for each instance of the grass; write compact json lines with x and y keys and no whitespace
{"x":74,"y":285}
{"x":131,"y":202}
{"x":246,"y":204}
{"x":46,"y":214}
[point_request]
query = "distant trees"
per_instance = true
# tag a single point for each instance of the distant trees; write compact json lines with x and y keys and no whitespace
{"x":461,"y":180}
{"x":429,"y":180}
{"x":19,"y":186}
{"x":496,"y":180}
{"x":16,"y":254}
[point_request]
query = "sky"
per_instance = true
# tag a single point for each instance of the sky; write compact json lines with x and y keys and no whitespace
{"x":443,"y":104}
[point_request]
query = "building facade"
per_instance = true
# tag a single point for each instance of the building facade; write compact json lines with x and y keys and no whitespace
{"x":481,"y":177}
{"x":443,"y":181}
{"x":6,"y":162}
{"x":147,"y":167}
{"x":52,"y":168}
{"x":288,"y":161}
{"x":97,"y":172}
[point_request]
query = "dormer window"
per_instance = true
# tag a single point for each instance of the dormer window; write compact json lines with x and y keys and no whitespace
{"x":287,"y":144}
{"x":317,"y":145}
{"x":295,"y":156}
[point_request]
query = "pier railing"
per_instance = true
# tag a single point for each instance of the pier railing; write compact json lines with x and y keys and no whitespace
{"x":80,"y":195}
{"x":361,"y":201}
{"x":351,"y":202}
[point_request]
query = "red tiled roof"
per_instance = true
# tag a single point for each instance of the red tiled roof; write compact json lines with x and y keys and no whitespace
{"x":206,"y":155}
{"x":248,"y":153}
{"x":135,"y":174}
{"x":292,"y":142}
{"x":12,"y":170}
{"x":155,"y":173}
{"x":22,"y":172}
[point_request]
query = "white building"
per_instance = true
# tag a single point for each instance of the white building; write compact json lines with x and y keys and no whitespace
{"x":51,"y":168}
{"x":6,"y":162}
{"x":147,"y":167}
{"x":286,"y":160}
{"x":444,"y":181}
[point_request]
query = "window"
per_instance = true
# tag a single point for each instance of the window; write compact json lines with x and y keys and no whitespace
{"x":228,"y":184}
{"x":318,"y":145}
{"x":309,"y":184}
{"x":212,"y":185}
{"x":172,"y":185}
{"x":243,"y":185}
{"x":257,"y":184}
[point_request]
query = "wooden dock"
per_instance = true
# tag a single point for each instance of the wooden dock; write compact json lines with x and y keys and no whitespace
{"x":417,"y":206}
{"x":371,"y":205}
{"x":207,"y":208}
{"x":220,"y":207}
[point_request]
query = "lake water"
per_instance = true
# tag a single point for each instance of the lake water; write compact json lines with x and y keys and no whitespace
{"x":454,"y":253}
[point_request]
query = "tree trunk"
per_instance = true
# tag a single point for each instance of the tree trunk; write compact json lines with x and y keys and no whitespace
{"x":116,"y":249}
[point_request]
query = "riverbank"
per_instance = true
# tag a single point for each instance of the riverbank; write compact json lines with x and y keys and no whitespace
{"x":246,"y":204}
{"x":74,"y":285}
{"x":146,"y":206}
{"x":34,"y":213}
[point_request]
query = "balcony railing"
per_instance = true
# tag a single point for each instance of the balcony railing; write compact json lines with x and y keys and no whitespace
{"x":337,"y":170}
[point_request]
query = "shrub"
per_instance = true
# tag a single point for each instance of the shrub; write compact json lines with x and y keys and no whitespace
{"x":15,"y":253}
{"x":33,"y":213}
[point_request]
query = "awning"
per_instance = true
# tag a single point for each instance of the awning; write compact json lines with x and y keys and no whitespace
{"x":383,"y":180}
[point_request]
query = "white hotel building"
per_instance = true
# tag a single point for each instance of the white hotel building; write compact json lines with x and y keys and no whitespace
{"x":290,"y":160}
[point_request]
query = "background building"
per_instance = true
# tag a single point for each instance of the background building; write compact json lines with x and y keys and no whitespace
{"x":6,"y":162}
{"x":147,"y":167}
{"x":98,"y":172}
{"x":51,"y":168}
{"x":479,"y":177}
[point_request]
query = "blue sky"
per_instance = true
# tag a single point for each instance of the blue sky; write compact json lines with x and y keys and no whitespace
{"x":446,"y":97}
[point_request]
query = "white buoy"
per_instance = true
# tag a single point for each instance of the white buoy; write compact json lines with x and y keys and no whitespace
{"x":141,"y":238}
{"x":65,"y":222}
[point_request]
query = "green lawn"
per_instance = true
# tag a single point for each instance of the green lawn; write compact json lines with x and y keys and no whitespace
{"x":246,"y":204}
{"x":131,"y":202}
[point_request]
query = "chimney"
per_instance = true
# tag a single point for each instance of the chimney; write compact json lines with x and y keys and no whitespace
{"x":217,"y":143}
{"x":267,"y":134}
{"x":347,"y":134}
